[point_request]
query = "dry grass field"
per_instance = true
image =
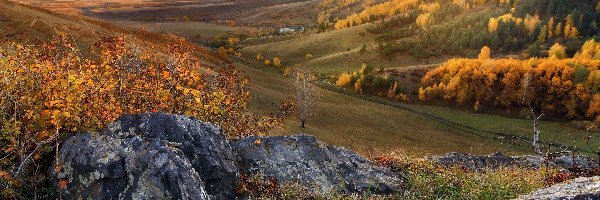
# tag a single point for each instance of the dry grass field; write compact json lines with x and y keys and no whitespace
{"x":372,"y":128}
{"x":366,"y":127}
{"x":334,"y":52}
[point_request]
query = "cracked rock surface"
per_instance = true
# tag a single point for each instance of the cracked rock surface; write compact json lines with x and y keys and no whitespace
{"x":323,"y":168}
{"x":148,"y":156}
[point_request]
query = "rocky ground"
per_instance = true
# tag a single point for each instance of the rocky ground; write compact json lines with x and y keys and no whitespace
{"x":163,"y":156}
{"x":495,"y":160}
{"x":580,"y":188}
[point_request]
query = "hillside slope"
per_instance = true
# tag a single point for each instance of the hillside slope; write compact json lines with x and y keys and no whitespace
{"x":28,"y":24}
{"x":366,"y":127}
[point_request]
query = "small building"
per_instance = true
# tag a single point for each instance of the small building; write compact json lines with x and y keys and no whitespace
{"x":292,"y":29}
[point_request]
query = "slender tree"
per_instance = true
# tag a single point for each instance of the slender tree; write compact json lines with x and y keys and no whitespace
{"x":533,"y":116}
{"x":306,"y":95}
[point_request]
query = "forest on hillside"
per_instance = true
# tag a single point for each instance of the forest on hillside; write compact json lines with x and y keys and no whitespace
{"x":429,"y":27}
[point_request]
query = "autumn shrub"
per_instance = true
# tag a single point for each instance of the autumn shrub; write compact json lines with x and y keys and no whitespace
{"x":366,"y":81}
{"x":344,"y":80}
{"x":589,"y":50}
{"x":222,"y":52}
{"x":485,"y":53}
{"x":49,"y":91}
{"x":260,"y":187}
{"x":226,"y":40}
{"x":424,"y":20}
{"x":359,"y":84}
{"x":401,"y":97}
{"x":276,"y":62}
{"x":309,"y":56}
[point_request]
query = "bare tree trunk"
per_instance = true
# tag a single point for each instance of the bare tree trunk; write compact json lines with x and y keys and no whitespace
{"x":536,"y":131}
{"x":536,"y":125}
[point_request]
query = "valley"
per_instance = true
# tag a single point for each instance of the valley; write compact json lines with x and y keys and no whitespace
{"x":333,"y":52}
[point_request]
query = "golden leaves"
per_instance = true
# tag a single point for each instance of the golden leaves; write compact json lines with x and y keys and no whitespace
{"x":4,"y":175}
{"x":344,"y":79}
{"x":166,"y":74}
{"x":548,"y":83}
{"x":70,"y":93}
{"x":388,"y":8}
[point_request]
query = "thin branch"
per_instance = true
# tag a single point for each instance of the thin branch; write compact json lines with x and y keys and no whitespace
{"x":6,"y":155}
{"x":38,"y":145}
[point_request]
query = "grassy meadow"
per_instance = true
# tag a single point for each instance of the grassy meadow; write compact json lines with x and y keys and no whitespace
{"x":373,"y":128}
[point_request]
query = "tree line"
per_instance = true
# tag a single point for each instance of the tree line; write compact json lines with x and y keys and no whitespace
{"x":564,"y":87}
{"x":504,"y":26}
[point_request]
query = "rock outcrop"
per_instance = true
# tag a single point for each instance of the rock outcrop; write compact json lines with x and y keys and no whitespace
{"x":163,"y":156}
{"x":95,"y":166}
{"x":320,"y":167}
{"x":495,"y":160}
{"x":149,"y":156}
{"x":203,"y":144}
{"x":580,"y":188}
{"x":567,"y":162}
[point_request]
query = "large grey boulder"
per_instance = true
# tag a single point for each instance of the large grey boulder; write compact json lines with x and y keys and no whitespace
{"x":204,"y":145}
{"x":95,"y":166}
{"x":320,"y":167}
{"x":580,"y":188}
{"x":149,"y":156}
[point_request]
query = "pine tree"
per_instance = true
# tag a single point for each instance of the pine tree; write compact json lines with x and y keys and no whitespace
{"x":542,"y":36}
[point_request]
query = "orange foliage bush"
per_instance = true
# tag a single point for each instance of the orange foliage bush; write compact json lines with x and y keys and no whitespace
{"x":48,"y":91}
{"x":345,"y":79}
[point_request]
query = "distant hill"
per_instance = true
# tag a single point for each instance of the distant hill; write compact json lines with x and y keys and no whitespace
{"x":28,"y":24}
{"x":264,"y":13}
{"x":507,"y":27}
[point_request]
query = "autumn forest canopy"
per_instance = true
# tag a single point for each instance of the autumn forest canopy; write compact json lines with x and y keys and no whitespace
{"x":427,"y":28}
{"x":567,"y":87}
{"x":558,"y":74}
